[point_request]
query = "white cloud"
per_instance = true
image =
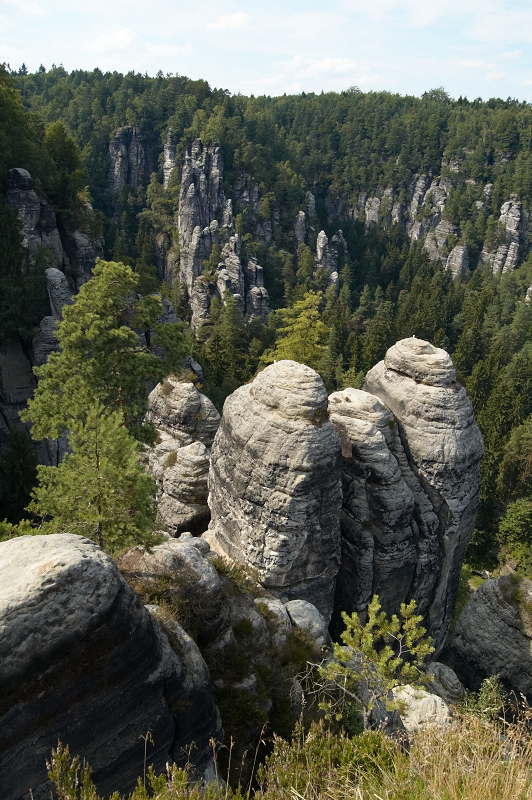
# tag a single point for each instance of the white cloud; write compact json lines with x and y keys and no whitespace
{"x":230,"y":21}
{"x":120,"y":39}
{"x":165,"y":50}
{"x":495,"y":76}
{"x":512,"y":54}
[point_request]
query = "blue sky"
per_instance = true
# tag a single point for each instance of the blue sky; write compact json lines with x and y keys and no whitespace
{"x":476,"y":48}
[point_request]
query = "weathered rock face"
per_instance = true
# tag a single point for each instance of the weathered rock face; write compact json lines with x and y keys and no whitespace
{"x":205,"y":220}
{"x":327,"y":255}
{"x":128,"y":161}
{"x":275,"y":484}
{"x":514,"y":223}
{"x":411,"y":484}
{"x":186,"y":422}
{"x":38,"y":225}
{"x":493,"y":636}
{"x":421,"y":709}
{"x":442,"y":448}
{"x":378,"y":535}
{"x":90,"y":666}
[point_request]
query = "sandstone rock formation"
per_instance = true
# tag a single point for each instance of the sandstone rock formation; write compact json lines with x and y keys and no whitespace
{"x":274,"y":484}
{"x":83,"y":661}
{"x":129,"y":162}
{"x":411,"y":484}
{"x":513,"y":221}
{"x":186,"y":422}
{"x":493,"y":636}
{"x":327,"y":255}
{"x":205,"y":220}
{"x":445,"y":683}
{"x":38,"y":226}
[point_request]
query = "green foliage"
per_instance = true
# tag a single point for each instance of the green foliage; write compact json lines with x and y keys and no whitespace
{"x":490,"y":700}
{"x":101,"y":358}
{"x":375,"y":657}
{"x":100,"y":490}
{"x":302,"y":336}
{"x":18,"y":475}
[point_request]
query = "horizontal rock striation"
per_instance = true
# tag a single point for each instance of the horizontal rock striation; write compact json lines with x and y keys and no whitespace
{"x":84,"y":662}
{"x":275,"y":484}
{"x":438,"y":452}
{"x":379,"y":553}
{"x":186,"y":423}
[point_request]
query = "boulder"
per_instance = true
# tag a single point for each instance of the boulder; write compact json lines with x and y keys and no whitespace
{"x":179,"y":574}
{"x":419,"y":709}
{"x":275,"y":484}
{"x":493,"y":636}
{"x":308,"y":619}
{"x":83,"y":661}
{"x":445,"y":683}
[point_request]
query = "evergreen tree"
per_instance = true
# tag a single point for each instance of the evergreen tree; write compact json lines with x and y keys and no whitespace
{"x":302,"y":336}
{"x":101,"y":357}
{"x":100,"y":490}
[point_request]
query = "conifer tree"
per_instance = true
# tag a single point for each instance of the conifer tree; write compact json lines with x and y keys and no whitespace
{"x":100,"y":490}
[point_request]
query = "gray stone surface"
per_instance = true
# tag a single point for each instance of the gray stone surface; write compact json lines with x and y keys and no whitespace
{"x":445,"y":684}
{"x":419,"y":709}
{"x":379,"y":532}
{"x":493,"y":636}
{"x":274,"y":484}
{"x":201,"y":199}
{"x":38,"y":224}
{"x":186,"y":423}
{"x":307,"y":618}
{"x":84,"y":662}
{"x":128,"y":161}
{"x":59,"y":292}
{"x":411,"y":484}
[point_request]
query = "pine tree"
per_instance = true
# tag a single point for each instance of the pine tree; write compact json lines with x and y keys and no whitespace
{"x":100,"y":490}
{"x":303,"y":336}
{"x":101,"y":357}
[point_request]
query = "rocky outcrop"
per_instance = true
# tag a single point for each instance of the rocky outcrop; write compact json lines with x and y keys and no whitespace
{"x":76,"y":250}
{"x":129,"y":163}
{"x":169,"y":159}
{"x":327,"y":255}
{"x":205,"y":220}
{"x":274,"y":484}
{"x":89,"y":646}
{"x":411,"y":484}
{"x":513,"y":221}
{"x":445,"y":683}
{"x":38,"y":224}
{"x":493,"y":636}
{"x":186,"y":423}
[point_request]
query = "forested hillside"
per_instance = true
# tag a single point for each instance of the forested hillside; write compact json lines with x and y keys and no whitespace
{"x":373,"y":217}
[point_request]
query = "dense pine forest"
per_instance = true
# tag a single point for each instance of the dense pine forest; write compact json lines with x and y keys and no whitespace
{"x":324,"y":155}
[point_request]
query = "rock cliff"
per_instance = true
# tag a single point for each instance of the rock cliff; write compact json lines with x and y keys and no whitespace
{"x":129,"y":161}
{"x":89,"y":646}
{"x":275,"y":484}
{"x":412,"y":452}
{"x":205,"y":220}
{"x":76,"y":250}
{"x":493,"y":636}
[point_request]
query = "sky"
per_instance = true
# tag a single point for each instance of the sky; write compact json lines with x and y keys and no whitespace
{"x":473,"y":48}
